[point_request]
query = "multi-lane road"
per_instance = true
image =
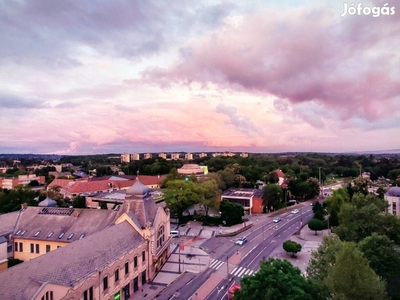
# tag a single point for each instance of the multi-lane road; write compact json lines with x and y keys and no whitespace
{"x":262,"y":239}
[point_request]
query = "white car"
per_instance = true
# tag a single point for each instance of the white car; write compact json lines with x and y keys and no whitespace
{"x":295,"y":211}
{"x":277,"y":220}
{"x":241,"y":241}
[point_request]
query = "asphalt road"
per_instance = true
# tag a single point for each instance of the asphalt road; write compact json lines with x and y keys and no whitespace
{"x":263,"y":238}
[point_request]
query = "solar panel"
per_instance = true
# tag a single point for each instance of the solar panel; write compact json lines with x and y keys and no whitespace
{"x":57,"y":211}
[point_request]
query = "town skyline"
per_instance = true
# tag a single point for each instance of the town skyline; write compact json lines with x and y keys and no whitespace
{"x":256,"y":77}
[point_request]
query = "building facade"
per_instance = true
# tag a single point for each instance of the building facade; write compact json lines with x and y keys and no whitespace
{"x":250,"y":199}
{"x":392,"y":196}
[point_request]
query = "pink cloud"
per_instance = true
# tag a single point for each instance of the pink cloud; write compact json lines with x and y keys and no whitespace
{"x":299,"y":56}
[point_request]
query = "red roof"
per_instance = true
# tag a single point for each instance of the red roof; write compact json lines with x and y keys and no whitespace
{"x":280,"y":173}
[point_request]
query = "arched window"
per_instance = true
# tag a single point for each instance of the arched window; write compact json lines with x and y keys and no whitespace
{"x":160,"y":236}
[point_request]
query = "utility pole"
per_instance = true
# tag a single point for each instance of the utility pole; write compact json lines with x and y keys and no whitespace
{"x":320,"y":183}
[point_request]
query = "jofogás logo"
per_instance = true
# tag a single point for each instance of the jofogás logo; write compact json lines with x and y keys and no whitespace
{"x":361,"y":9}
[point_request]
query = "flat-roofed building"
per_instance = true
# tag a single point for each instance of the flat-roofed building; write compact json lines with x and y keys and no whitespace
{"x":135,"y":156}
{"x":175,"y":156}
{"x":125,"y":158}
{"x":392,"y":197}
{"x":189,"y":156}
{"x":148,"y":155}
{"x":250,"y":199}
{"x":162,"y":155}
{"x":191,"y":169}
{"x":201,"y":155}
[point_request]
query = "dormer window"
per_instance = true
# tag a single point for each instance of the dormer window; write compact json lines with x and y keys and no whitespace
{"x":37,"y":233}
{"x":61,"y":235}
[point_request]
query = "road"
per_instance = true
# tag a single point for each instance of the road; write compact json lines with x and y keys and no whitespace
{"x":263,"y":238}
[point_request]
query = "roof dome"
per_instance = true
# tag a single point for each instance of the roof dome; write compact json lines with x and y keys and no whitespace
{"x":138,"y":189}
{"x":48,"y":203}
{"x":394,"y":191}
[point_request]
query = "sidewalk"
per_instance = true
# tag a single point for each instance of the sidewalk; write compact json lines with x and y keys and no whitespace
{"x":309,"y":242}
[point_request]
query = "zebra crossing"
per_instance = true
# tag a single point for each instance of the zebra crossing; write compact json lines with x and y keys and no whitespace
{"x":237,"y":271}
{"x":216,"y":264}
{"x":241,"y":271}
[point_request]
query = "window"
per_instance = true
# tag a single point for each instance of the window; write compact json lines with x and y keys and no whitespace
{"x":143,"y":256}
{"x":32,"y":248}
{"x":88,"y":294}
{"x":37,"y":233}
{"x":126,"y":268}
{"x":48,"y":296}
{"x":37,"y":248}
{"x":160,"y":236}
{"x":50,"y":234}
{"x":70,"y":236}
{"x":135,"y":262}
{"x":116,"y":275}
{"x":48,"y":248}
{"x":61,"y":235}
{"x":82,"y":236}
{"x":58,"y":247}
{"x":21,"y":247}
{"x":23,"y":232}
{"x":16,"y":247}
{"x":105,"y":283}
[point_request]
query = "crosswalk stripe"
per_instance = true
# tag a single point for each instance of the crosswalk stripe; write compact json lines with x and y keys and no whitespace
{"x":241,"y":273}
{"x":212,"y":262}
{"x":219,"y":265}
{"x":247,"y":272}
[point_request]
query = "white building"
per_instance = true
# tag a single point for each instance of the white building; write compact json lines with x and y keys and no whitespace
{"x":392,"y":196}
{"x":175,"y":156}
{"x":189,"y":156}
{"x":135,"y":156}
{"x":125,"y":158}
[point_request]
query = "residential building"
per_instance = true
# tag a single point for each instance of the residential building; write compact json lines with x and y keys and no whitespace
{"x":392,"y":196}
{"x":82,"y":253}
{"x":71,"y":188}
{"x":189,"y":156}
{"x":10,"y":183}
{"x":135,"y":156}
{"x":110,"y":264}
{"x":125,"y":158}
{"x":162,"y":155}
{"x":201,"y":155}
{"x":175,"y":156}
{"x":244,"y":154}
{"x":148,"y":155}
{"x":250,"y":199}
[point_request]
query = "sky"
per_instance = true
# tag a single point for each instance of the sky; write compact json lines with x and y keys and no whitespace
{"x":91,"y":77}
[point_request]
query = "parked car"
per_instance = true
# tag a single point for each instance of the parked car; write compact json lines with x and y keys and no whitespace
{"x":295,"y":211}
{"x":174,"y":233}
{"x":241,"y":241}
{"x":277,"y":220}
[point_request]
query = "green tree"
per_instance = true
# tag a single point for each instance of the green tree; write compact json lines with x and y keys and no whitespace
{"x":277,"y":280}
{"x":231,"y":212}
{"x":384,"y":259}
{"x":318,"y":210}
{"x":272,"y":196}
{"x":291,"y":247}
{"x":209,"y":194}
{"x":364,"y":216}
{"x":79,"y":202}
{"x":180,"y":195}
{"x":316,"y":225}
{"x":360,"y":185}
{"x":11,"y":200}
{"x":323,"y":257}
{"x":352,"y":278}
{"x":334,"y":204}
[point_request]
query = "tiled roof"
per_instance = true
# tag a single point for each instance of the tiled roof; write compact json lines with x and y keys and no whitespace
{"x":63,"y":183}
{"x":280,"y":173}
{"x":8,"y":222}
{"x":48,"y":223}
{"x":70,"y":264}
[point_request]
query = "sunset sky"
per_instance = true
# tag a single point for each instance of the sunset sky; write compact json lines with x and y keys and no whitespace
{"x":85,"y":77}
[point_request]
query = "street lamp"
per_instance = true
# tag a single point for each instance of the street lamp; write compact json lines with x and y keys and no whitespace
{"x":329,"y":229}
{"x":320,"y":183}
{"x":179,"y":253}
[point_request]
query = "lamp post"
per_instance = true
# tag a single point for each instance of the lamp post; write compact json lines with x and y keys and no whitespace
{"x":227,"y":274}
{"x":320,"y":183}
{"x":329,"y":229}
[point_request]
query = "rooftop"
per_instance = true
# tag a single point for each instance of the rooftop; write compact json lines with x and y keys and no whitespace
{"x":70,"y":264}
